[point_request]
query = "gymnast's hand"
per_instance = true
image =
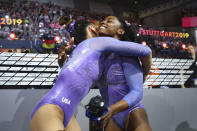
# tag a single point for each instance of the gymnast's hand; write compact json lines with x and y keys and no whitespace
{"x":106,"y":118}
{"x":118,"y":107}
{"x":62,"y":55}
{"x":144,"y":77}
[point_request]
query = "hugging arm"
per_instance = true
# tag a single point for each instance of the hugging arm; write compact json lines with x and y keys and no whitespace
{"x":125,"y":48}
{"x":134,"y":79}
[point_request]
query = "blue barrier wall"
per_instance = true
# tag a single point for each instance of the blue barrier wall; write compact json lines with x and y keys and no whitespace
{"x":15,"y":44}
{"x":168,"y":109}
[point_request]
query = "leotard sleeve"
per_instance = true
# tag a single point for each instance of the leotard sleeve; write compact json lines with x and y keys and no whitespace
{"x":134,"y":78}
{"x":109,"y":44}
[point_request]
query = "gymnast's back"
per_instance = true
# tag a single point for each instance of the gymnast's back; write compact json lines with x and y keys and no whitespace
{"x":85,"y":61}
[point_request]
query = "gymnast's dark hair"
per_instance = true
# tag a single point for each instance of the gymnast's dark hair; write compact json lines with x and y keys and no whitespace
{"x":129,"y":35}
{"x":78,"y":29}
{"x":79,"y":32}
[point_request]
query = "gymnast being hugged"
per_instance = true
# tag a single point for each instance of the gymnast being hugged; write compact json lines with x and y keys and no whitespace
{"x":121,"y":84}
{"x":80,"y":71}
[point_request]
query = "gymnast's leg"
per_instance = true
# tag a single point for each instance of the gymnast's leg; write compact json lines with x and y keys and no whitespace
{"x":73,"y":125}
{"x":48,"y":118}
{"x":112,"y":126}
{"x":137,"y":120}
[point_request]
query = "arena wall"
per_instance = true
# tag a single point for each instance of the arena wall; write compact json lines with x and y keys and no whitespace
{"x":168,"y":109}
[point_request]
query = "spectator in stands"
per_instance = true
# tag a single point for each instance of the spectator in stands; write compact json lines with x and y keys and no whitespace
{"x":24,"y":50}
{"x":43,"y":17}
{"x":191,"y":51}
{"x":10,"y":50}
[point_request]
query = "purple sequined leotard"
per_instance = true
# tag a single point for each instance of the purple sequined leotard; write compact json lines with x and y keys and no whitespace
{"x":122,"y":79}
{"x":82,"y":69}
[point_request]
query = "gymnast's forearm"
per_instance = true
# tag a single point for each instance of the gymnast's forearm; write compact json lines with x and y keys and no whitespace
{"x":129,"y":100}
{"x":146,"y":63}
{"x":120,"y":106}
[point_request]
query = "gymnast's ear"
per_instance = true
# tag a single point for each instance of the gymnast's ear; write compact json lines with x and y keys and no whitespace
{"x":120,"y":31}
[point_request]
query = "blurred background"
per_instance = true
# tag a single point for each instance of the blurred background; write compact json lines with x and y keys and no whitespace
{"x":169,"y":27}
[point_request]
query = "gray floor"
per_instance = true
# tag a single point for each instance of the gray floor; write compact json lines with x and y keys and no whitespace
{"x":168,"y":109}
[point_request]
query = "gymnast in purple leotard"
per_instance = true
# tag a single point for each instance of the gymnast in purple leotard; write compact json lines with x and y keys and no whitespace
{"x":121,"y":84}
{"x":114,"y":86}
{"x":80,"y":71}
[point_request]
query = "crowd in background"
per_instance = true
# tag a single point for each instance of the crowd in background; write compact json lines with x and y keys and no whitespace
{"x":174,"y":47}
{"x":166,"y":47}
{"x":40,"y":21}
